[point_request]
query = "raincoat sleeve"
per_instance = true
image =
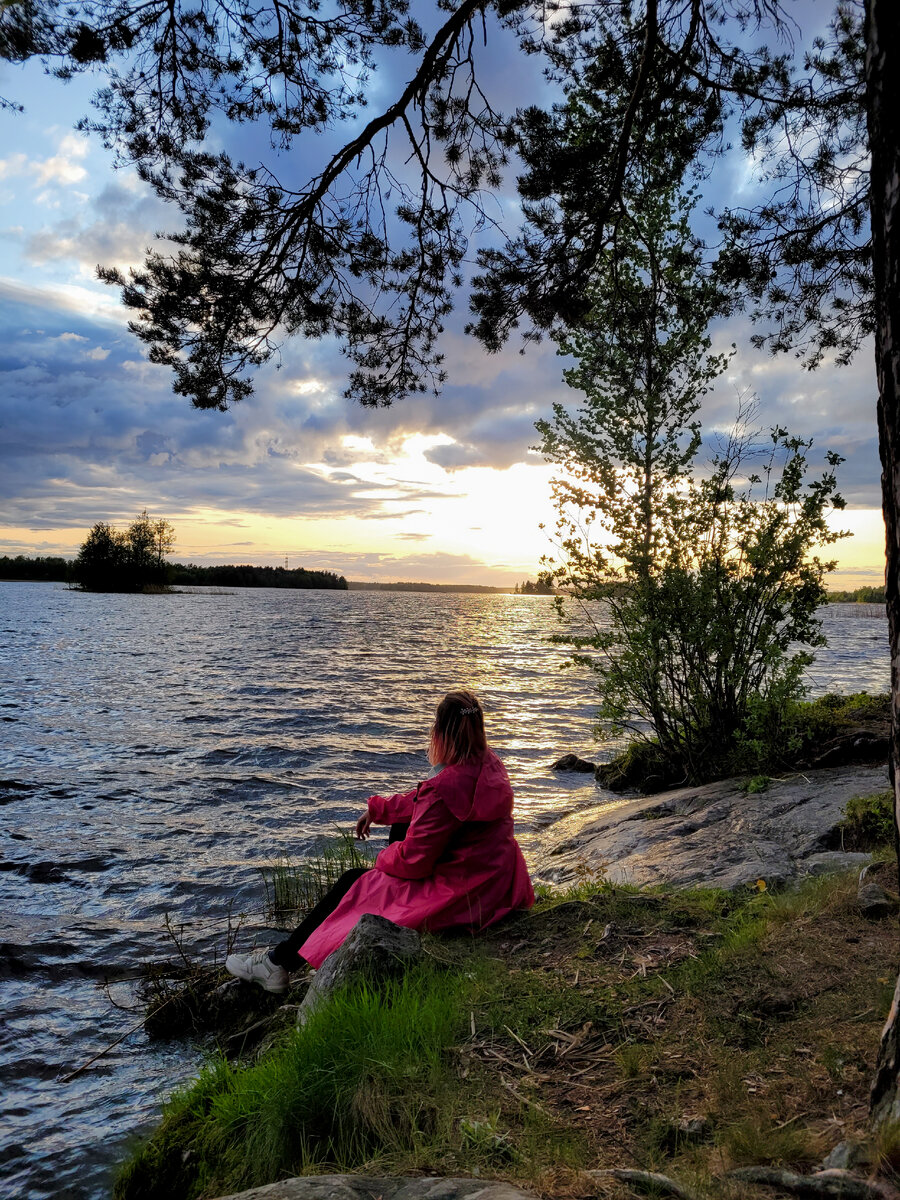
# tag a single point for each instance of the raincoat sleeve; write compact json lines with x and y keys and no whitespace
{"x":415,"y":857}
{"x":389,"y":810}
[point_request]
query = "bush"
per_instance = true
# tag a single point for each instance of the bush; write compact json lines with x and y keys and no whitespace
{"x":642,"y":765}
{"x":868,"y":822}
{"x":776,"y":736}
{"x":707,"y":642}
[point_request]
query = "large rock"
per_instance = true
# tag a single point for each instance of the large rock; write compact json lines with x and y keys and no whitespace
{"x":716,"y":835}
{"x":872,"y":899}
{"x":379,"y":1187}
{"x":374,"y":948}
{"x":571,"y":762}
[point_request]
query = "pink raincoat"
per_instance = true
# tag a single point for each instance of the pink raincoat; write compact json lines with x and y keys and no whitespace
{"x":459,"y":864}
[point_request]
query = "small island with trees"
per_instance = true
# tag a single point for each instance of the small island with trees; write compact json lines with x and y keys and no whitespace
{"x":531,"y":587}
{"x":134,"y":560}
{"x":130,"y":560}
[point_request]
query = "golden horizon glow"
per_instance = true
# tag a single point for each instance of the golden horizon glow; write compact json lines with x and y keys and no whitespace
{"x":421,"y":523}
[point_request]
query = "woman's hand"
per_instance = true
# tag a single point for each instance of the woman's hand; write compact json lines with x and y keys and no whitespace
{"x":363,"y":825}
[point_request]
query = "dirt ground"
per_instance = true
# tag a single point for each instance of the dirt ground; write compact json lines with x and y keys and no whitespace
{"x":691,"y":1040}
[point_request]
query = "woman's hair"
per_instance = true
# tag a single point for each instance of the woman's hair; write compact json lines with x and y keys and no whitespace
{"x":457,"y":734}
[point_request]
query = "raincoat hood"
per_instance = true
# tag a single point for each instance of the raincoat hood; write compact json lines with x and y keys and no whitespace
{"x":476,"y":791}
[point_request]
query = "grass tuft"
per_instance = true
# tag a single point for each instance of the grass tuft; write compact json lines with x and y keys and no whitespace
{"x":633,"y":1059}
{"x":293,"y":889}
{"x":756,"y":1141}
{"x":757,"y":784}
{"x":361,"y":1078}
{"x":886,"y":1149}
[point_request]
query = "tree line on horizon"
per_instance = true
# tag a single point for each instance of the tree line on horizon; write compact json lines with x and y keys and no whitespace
{"x":246,"y":576}
{"x":530,"y":587}
{"x":420,"y":586}
{"x":134,"y":560}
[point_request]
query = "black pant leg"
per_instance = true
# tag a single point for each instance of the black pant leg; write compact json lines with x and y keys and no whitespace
{"x":286,"y":953}
{"x":398,"y":832}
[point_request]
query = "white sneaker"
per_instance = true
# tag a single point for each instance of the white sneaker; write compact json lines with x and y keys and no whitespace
{"x":257,"y":967}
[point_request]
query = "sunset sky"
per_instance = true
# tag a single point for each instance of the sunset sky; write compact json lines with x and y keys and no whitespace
{"x":442,"y":489}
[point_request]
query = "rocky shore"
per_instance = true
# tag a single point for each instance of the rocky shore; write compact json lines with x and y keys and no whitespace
{"x":716,"y":835}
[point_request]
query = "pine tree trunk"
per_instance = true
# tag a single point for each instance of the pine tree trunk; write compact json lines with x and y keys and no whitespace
{"x":883,"y":107}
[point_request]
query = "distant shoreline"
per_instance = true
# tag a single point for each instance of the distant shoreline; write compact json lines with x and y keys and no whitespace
{"x":51,"y":569}
{"x":358,"y":586}
{"x":175,"y":589}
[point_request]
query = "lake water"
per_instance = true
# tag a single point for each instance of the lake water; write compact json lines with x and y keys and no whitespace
{"x":157,"y":751}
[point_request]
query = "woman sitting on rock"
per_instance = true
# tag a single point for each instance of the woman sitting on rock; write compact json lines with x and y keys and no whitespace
{"x":452,"y":860}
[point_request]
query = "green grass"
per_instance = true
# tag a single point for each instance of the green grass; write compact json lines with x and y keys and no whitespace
{"x":757,"y":784}
{"x":756,"y":1141}
{"x":363,"y":1077}
{"x":633,"y":1059}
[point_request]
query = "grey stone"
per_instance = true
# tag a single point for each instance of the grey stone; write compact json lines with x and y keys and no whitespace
{"x":716,"y":835}
{"x":842,"y":1157}
{"x":378,"y":1187}
{"x":872,"y":899}
{"x":693,"y":1129}
{"x":571,"y":762}
{"x":674,"y":1135}
{"x":833,"y":860}
{"x":375,"y":948}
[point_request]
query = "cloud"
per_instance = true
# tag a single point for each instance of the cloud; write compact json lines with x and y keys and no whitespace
{"x":62,"y":168}
{"x":90,"y":430}
{"x":498,"y":439}
{"x":57,"y":298}
{"x":115,"y":230}
{"x":454,"y":455}
{"x":834,"y":406}
{"x":79,"y":445}
{"x":872,"y":575}
{"x":394,"y":516}
{"x":13,"y":165}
